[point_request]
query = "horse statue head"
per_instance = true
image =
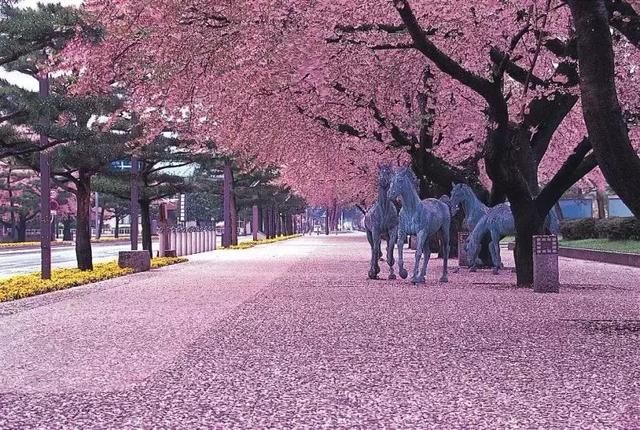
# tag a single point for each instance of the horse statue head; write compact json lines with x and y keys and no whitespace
{"x":385,"y":173}
{"x":403,"y":179}
{"x":459,"y":193}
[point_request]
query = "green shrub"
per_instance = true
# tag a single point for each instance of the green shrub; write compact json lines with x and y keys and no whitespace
{"x":578,"y":229}
{"x":618,"y":228}
{"x":610,"y":228}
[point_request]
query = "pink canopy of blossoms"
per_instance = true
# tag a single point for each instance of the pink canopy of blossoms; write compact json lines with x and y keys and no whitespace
{"x":275,"y":78}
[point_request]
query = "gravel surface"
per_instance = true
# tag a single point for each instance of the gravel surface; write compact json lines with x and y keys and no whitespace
{"x":293,"y":335}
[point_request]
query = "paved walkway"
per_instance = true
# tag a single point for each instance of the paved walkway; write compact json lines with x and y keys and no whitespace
{"x":292,"y":335}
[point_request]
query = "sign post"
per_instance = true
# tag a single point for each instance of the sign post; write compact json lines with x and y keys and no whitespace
{"x":546,"y":277}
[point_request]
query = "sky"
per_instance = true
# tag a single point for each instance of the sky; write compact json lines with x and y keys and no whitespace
{"x":19,"y":79}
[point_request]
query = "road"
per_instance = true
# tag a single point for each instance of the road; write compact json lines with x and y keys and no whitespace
{"x":22,"y":261}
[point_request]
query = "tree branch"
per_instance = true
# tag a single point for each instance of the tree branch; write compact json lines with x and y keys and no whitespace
{"x":485,"y":88}
{"x":574,"y":168}
{"x":624,"y":18}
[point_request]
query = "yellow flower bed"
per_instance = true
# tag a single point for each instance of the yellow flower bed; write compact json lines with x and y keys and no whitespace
{"x":110,"y":239}
{"x":20,"y":286}
{"x":166,"y":261}
{"x":16,"y":244}
{"x":25,"y":244}
{"x":252,"y":243}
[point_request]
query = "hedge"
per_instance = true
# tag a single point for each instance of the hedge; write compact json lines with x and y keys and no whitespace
{"x":609,"y":228}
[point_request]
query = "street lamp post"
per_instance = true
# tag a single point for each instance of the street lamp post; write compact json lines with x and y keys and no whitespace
{"x":45,"y":186}
{"x":134,"y":204}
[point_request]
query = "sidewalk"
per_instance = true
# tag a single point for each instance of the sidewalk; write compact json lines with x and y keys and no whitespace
{"x":294,"y":335}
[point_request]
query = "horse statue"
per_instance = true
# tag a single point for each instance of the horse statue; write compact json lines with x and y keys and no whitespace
{"x":474,"y":209}
{"x":422,"y":218}
{"x":381,"y":222}
{"x":499,"y":223}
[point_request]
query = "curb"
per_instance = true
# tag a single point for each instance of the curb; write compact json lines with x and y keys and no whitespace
{"x":619,"y":258}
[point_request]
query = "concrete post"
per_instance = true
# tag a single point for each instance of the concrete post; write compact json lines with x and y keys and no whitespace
{"x":546,"y":277}
{"x":173,"y":245}
{"x":177,"y":242}
{"x":162,"y":242}
{"x":214,"y":238}
{"x":189,"y":236}
{"x":185,"y":248}
{"x":462,"y":255}
{"x":163,"y":231}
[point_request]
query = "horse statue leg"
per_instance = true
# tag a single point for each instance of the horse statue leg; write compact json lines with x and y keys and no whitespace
{"x":391,"y":242}
{"x":494,"y":247}
{"x":420,"y":244}
{"x":373,"y":239}
{"x":445,"y":249}
{"x":402,"y":237}
{"x":426,"y":250}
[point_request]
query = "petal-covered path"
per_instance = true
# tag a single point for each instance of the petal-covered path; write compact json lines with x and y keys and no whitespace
{"x":293,"y":335}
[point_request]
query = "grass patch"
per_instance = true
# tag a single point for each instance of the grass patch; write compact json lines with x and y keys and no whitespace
{"x":626,"y":246}
{"x":21,"y":286}
{"x":252,"y":243}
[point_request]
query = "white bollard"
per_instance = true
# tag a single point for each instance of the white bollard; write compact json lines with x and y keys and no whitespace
{"x":189,"y":237}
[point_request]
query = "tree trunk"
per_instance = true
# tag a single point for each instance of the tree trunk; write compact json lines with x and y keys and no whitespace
{"x":234,"y":220}
{"x":83,"y":222}
{"x":608,"y":133}
{"x":67,"y":236}
{"x":21,"y":230}
{"x":278,"y":222}
{"x":601,"y":200}
{"x":145,"y":215}
{"x":274,"y":222}
{"x":326,"y":223}
{"x":528,"y":223}
{"x":116,"y":233}
{"x":100,"y":223}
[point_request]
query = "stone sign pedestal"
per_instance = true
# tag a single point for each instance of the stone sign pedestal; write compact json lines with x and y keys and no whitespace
{"x":139,"y":261}
{"x":546,"y":278}
{"x":462,"y":254}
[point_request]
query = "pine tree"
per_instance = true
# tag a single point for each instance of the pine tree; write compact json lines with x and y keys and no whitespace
{"x":27,"y":37}
{"x":167,"y":165}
